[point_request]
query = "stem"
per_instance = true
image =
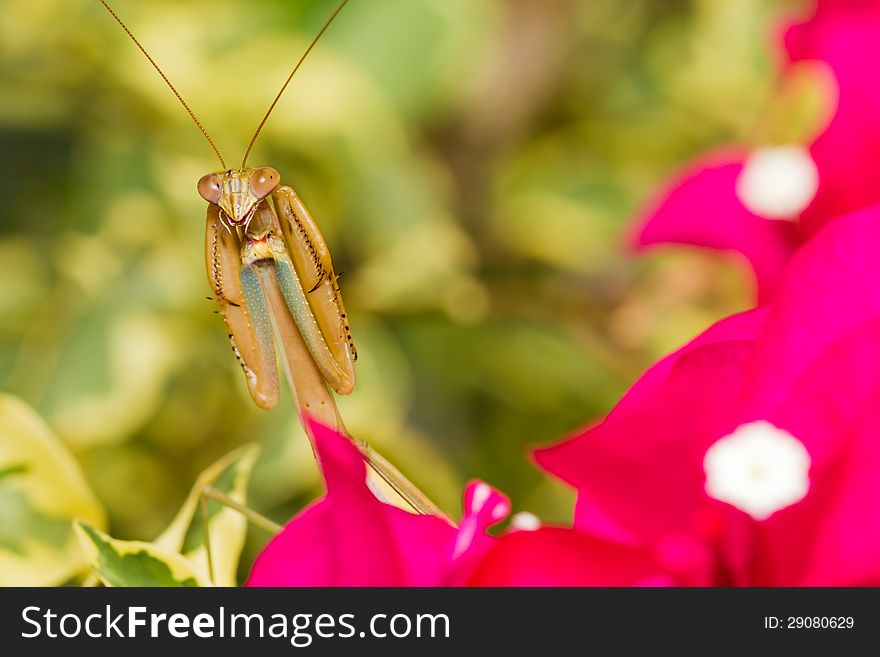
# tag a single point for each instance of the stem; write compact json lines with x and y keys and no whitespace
{"x":206,"y":536}
{"x":255,"y":518}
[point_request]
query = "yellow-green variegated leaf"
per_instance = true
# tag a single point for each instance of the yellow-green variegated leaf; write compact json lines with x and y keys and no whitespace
{"x":226,"y":527}
{"x":134,"y":563}
{"x":41,"y":491}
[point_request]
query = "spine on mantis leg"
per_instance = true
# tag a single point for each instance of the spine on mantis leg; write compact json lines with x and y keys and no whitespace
{"x":247,"y":325}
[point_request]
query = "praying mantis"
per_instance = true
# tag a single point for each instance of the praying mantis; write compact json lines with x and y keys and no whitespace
{"x":273,"y":279}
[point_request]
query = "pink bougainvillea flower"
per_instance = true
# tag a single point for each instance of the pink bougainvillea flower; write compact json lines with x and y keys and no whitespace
{"x":843,"y":35}
{"x":741,"y":200}
{"x":350,"y":538}
{"x":751,"y":455}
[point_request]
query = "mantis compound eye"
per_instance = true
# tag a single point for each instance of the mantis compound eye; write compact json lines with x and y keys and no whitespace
{"x":209,"y":188}
{"x":264,"y":180}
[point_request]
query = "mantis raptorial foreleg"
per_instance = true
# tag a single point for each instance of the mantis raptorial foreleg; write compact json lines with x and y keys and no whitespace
{"x":314,"y":269}
{"x":249,"y":330}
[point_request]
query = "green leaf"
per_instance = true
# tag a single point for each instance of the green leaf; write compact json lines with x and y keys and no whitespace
{"x":41,"y":490}
{"x":134,"y":563}
{"x":20,"y":521}
{"x":227,"y":528}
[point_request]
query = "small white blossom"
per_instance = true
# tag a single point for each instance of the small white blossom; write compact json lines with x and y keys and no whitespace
{"x":759,"y":468}
{"x":778,"y":182}
{"x":525,"y":521}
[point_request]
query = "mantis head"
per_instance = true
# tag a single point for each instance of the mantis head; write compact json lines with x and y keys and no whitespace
{"x":238,"y":191}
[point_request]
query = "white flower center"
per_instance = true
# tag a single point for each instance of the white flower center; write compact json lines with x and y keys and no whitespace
{"x":778,"y":182}
{"x":525,"y":521}
{"x":759,"y":468}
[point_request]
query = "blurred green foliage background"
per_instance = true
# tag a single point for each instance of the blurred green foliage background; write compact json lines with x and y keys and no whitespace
{"x":475,"y":167}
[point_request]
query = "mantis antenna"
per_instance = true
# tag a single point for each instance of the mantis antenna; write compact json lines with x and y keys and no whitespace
{"x":167,"y":81}
{"x":187,"y":107}
{"x":289,"y":78}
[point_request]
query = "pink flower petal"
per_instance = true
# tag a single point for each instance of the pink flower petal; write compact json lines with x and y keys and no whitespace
{"x":701,"y":208}
{"x":553,"y":556}
{"x":845,"y":548}
{"x":843,"y":34}
{"x":829,"y":291}
{"x":830,"y":393}
{"x":301,"y":555}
